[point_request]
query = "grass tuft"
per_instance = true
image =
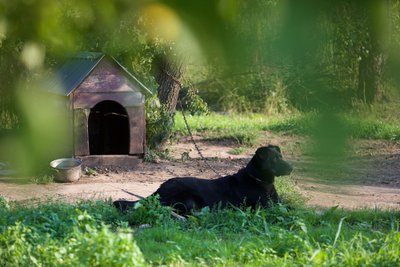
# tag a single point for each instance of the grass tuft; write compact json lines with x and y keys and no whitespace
{"x":237,"y":151}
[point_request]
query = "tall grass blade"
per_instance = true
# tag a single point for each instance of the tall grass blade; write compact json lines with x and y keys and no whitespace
{"x":338,"y":231}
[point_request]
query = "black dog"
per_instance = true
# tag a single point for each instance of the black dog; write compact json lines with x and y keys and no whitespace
{"x":251,"y":186}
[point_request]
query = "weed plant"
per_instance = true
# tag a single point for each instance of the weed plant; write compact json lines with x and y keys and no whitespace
{"x":152,"y":155}
{"x":43,"y":178}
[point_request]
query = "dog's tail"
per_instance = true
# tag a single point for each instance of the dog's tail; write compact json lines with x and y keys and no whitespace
{"x":124,"y":205}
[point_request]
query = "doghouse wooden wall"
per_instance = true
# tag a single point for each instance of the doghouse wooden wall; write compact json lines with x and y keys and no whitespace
{"x":107,"y":82}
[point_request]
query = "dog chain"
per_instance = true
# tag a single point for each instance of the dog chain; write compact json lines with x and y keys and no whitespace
{"x":194,"y":142}
{"x":187,"y":125}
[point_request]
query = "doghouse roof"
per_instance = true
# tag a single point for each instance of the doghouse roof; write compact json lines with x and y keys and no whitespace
{"x":79,"y":66}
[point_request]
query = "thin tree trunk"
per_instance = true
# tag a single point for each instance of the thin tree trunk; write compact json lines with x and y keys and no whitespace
{"x":370,"y":77}
{"x":168,"y":77}
{"x":371,"y":65}
{"x":169,"y":80}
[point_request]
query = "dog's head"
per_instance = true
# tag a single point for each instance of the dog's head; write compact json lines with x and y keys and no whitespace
{"x":268,"y":163}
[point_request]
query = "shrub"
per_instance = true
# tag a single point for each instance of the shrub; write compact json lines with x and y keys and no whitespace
{"x":159,"y":123}
{"x":193,"y":103}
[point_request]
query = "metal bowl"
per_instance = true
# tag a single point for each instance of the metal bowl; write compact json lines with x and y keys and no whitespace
{"x":67,"y":170}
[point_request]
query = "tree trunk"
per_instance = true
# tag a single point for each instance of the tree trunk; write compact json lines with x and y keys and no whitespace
{"x":169,"y":80}
{"x":168,"y":77}
{"x":372,"y":63}
{"x":370,"y":77}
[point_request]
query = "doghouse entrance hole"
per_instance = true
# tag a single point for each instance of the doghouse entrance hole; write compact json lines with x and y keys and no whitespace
{"x":108,"y":129}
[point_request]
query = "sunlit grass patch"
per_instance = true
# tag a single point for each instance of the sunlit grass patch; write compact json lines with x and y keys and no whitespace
{"x":373,"y":129}
{"x":93,"y":233}
{"x":244,"y":137}
{"x":243,"y":129}
{"x":240,"y":129}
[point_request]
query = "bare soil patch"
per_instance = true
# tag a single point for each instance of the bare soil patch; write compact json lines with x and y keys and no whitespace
{"x":369,"y":176}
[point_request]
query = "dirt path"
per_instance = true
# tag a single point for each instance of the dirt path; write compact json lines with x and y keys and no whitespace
{"x":370,"y":177}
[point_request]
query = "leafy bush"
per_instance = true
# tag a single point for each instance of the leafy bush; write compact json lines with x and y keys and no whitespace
{"x":193,"y":103}
{"x":159,"y":123}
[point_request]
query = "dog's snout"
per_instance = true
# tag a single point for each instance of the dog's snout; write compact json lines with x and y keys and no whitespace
{"x":285,"y":168}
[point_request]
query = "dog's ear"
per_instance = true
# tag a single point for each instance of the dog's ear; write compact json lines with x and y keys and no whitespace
{"x":262,"y":152}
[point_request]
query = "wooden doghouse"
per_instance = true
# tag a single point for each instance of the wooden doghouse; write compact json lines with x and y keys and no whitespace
{"x":106,"y":104}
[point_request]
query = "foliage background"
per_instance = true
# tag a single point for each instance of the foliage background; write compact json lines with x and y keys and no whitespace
{"x":266,"y":56}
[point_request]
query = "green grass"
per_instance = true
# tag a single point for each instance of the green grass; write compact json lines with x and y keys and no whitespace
{"x":245,"y":129}
{"x":93,"y":233}
{"x":239,"y":129}
{"x":278,"y":237}
{"x":369,"y":128}
{"x":237,"y":151}
{"x":60,"y":234}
